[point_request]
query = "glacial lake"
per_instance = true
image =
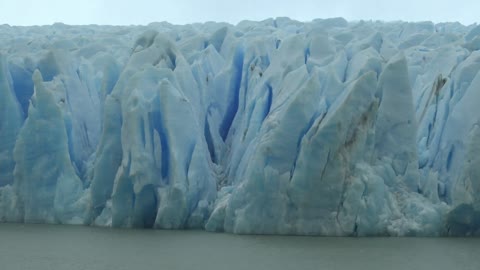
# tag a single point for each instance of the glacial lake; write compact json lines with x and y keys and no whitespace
{"x":54,"y":247}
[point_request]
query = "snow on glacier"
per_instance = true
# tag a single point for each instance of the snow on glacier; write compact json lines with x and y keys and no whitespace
{"x":326,"y":127}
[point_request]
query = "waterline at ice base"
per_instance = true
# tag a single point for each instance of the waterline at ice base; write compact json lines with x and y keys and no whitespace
{"x":326,"y":127}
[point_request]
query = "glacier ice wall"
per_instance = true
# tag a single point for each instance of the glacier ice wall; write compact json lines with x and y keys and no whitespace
{"x":274,"y":127}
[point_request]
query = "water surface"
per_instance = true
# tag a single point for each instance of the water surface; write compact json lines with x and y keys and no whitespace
{"x":49,"y":247}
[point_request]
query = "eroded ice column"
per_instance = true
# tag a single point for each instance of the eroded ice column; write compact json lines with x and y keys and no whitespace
{"x":45,"y":184}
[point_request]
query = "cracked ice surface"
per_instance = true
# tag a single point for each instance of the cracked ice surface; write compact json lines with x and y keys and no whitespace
{"x":275,"y":127}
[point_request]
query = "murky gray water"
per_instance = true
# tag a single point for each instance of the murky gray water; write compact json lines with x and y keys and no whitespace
{"x":46,"y":247}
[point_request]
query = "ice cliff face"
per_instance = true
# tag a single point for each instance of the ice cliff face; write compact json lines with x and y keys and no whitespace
{"x":276,"y":127}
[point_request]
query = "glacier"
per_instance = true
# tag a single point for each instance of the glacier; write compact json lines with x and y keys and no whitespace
{"x":326,"y":127}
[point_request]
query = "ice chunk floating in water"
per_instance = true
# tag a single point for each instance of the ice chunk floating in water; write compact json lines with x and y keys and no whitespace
{"x":273,"y":127}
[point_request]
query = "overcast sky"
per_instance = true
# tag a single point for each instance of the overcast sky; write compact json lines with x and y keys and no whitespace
{"x":125,"y":12}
